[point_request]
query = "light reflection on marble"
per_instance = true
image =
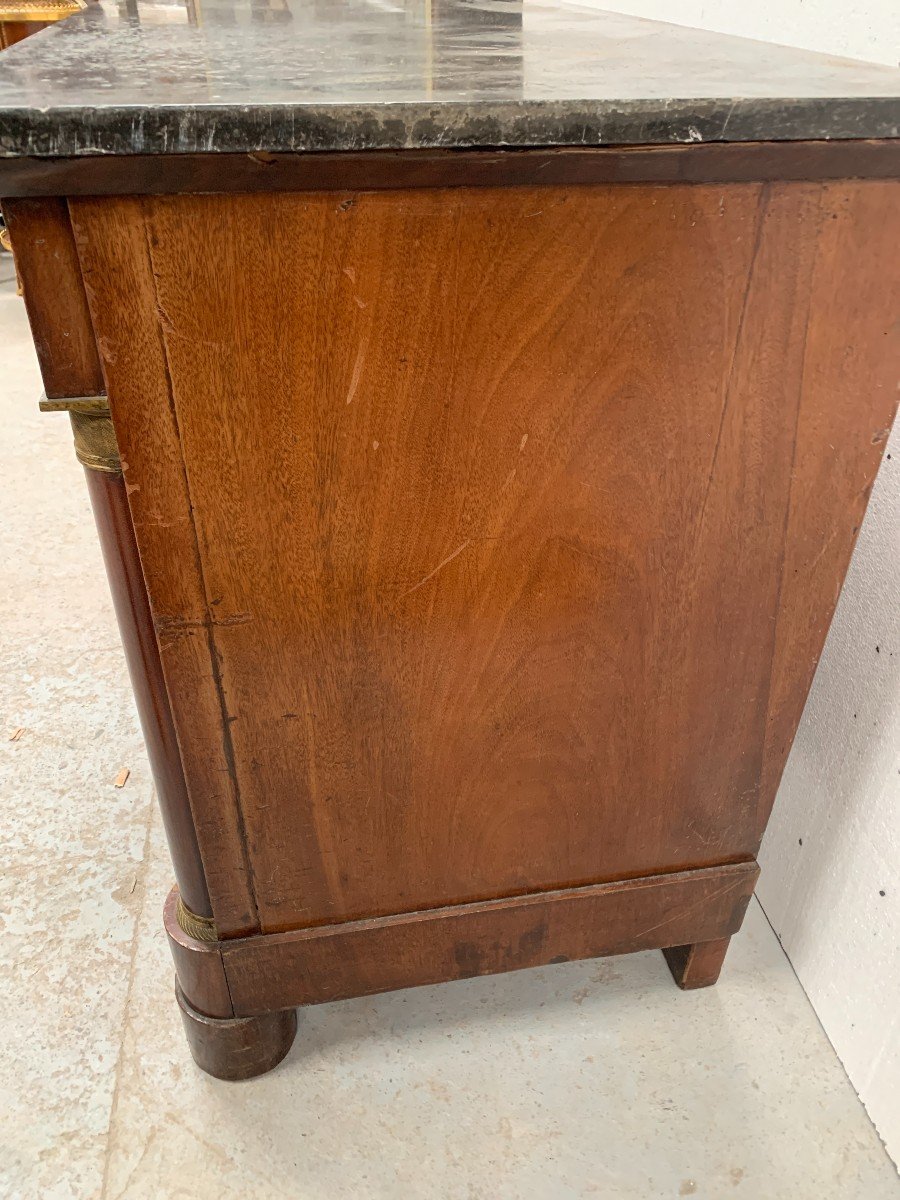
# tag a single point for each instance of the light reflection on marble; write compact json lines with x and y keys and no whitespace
{"x":244,"y":75}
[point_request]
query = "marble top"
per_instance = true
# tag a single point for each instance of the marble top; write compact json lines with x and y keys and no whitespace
{"x":146,"y":77}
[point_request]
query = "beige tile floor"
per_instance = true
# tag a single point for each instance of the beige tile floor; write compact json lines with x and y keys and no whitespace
{"x":593,"y":1079}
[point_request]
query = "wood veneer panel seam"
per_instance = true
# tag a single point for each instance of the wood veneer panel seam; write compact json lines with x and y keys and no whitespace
{"x":811,"y":291}
{"x":214,"y":656}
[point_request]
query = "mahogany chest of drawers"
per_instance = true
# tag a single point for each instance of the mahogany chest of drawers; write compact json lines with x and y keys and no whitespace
{"x":478,"y":431}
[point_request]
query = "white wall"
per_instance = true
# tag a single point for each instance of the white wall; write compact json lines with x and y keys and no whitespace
{"x":834,"y":900}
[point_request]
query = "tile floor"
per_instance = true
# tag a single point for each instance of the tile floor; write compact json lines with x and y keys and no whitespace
{"x":595,"y":1079}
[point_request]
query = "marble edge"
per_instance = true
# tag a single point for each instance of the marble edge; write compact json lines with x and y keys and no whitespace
{"x":64,"y":131}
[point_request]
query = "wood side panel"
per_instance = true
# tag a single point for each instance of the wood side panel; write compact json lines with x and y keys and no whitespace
{"x":467,"y":512}
{"x":848,"y":401}
{"x":156,"y":174}
{"x":113,"y":248}
{"x":47,"y":262}
{"x":423,"y":592}
{"x":360,"y":958}
{"x":489,"y":490}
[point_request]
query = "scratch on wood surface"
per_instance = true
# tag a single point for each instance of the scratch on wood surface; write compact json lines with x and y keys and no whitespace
{"x":176,"y":625}
{"x":731,"y":886}
{"x":439,"y":567}
{"x":357,"y":371}
{"x":823,"y":549}
{"x":156,"y":521}
{"x":580,"y":549}
{"x":762,"y":209}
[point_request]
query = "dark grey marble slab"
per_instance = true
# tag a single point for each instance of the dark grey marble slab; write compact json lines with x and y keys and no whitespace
{"x":146,"y":77}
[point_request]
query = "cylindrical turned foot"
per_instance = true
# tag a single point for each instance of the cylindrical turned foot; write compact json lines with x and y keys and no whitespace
{"x":237,"y":1047}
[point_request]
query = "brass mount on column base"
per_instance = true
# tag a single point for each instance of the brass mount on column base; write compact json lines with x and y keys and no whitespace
{"x":202,"y":929}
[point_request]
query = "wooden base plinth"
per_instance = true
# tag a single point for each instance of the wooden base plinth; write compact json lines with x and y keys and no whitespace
{"x":697,"y":965}
{"x":237,"y":1048}
{"x":238,"y":995}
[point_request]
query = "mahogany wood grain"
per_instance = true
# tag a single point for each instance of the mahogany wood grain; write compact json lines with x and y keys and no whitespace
{"x":237,"y":1048}
{"x":119,"y":282}
{"x":465,"y":515}
{"x":847,"y":406}
{"x":358,"y":958}
{"x":47,"y":261}
{"x":155,"y":174}
{"x":698,"y":964}
{"x":129,"y":593}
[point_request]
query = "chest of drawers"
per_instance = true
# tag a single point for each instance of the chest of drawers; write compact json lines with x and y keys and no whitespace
{"x":476,"y":466}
